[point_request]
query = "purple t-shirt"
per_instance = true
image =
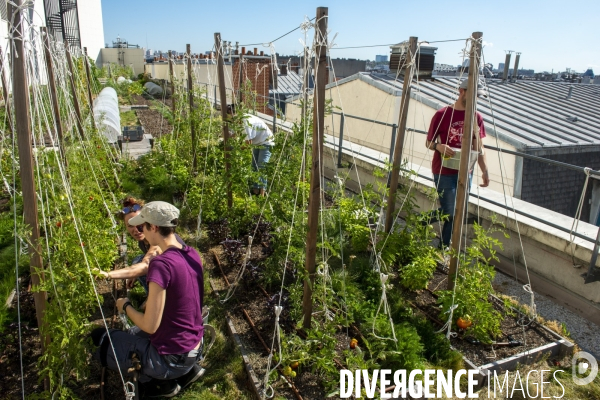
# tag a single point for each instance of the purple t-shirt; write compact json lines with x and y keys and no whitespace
{"x":180,"y":273}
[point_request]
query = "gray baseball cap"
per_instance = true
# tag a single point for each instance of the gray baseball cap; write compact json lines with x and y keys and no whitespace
{"x":480,"y":90}
{"x":159,"y":213}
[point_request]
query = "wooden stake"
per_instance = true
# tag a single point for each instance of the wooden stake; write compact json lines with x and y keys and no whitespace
{"x":190,"y":87}
{"x":305,"y":84}
{"x":317,"y":159}
{"x":9,"y":118}
{"x":399,"y":147}
{"x":89,"y":86}
{"x":223,"y":95}
{"x":79,"y":120}
{"x":53,"y":92}
{"x":26,"y":170}
{"x":240,"y":78}
{"x":171,"y":79}
{"x":465,"y":155}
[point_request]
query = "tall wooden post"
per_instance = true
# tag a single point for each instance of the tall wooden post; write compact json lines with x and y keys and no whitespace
{"x":190,"y":87}
{"x":9,"y":120}
{"x":26,"y":170}
{"x":53,"y":92}
{"x":305,"y":87}
{"x":465,"y":155}
{"x":89,"y":86}
{"x":399,"y":147}
{"x":317,"y":161}
{"x":79,"y":120}
{"x":171,"y":79}
{"x":241,"y":78}
{"x":223,"y":96}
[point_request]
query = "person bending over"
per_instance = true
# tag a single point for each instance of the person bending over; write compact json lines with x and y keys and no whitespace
{"x":167,"y":338}
{"x":260,"y":137}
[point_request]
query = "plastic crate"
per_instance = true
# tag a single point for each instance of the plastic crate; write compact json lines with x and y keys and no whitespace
{"x":133,"y":133}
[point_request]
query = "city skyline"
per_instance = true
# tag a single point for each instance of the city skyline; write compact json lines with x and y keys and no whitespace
{"x":527,"y":28}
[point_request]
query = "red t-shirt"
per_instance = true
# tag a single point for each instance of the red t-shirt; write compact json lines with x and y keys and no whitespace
{"x":447,"y":123}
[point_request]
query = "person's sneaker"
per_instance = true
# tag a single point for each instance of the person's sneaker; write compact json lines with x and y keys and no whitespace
{"x":158,"y":388}
{"x":192,"y":376}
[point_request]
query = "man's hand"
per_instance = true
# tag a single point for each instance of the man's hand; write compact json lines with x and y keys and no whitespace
{"x":120,"y":303}
{"x":153,"y":252}
{"x":445,"y":150}
{"x":486,"y":179}
{"x":101,"y":274}
{"x":129,"y":283}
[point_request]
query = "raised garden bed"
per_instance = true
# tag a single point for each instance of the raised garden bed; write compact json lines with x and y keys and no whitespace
{"x":531,"y":340}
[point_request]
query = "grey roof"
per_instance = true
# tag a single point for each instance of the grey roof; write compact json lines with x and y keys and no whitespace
{"x":290,"y":84}
{"x":527,"y":114}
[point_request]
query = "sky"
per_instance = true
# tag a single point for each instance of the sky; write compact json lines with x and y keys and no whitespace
{"x":551,"y":35}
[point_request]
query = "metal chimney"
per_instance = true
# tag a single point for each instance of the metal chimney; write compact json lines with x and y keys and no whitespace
{"x":506,"y":65}
{"x":516,"y":71}
{"x":570,"y":92}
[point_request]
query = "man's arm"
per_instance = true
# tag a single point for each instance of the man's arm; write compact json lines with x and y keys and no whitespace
{"x":482,"y":164}
{"x":148,"y":321}
{"x":136,"y":270}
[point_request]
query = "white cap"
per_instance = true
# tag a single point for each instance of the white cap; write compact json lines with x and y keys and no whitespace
{"x":159,"y":213}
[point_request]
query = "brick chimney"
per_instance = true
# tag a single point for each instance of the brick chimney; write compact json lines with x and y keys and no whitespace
{"x":258,"y":70}
{"x":283,"y":69}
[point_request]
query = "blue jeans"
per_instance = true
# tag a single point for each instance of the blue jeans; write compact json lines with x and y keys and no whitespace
{"x":260,"y":157}
{"x":446,"y":187}
{"x":141,"y":279}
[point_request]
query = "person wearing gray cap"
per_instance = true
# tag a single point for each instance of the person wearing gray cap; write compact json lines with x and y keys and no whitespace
{"x":444,"y":137}
{"x":168,"y":336}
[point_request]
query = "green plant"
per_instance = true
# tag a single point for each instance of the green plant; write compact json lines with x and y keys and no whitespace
{"x":474,"y":285}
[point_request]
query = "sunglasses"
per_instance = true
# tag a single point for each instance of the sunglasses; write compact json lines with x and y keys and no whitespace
{"x":133,"y":208}
{"x":140,"y":228}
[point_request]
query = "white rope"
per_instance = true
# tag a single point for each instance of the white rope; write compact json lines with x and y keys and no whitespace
{"x":268,"y":388}
{"x":577,"y":218}
{"x":386,"y":310}
{"x":448,"y":325}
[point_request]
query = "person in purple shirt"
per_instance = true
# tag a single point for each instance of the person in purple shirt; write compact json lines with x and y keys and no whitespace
{"x":167,"y":338}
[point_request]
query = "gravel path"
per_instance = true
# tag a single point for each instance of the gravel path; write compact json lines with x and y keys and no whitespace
{"x":585,"y":333}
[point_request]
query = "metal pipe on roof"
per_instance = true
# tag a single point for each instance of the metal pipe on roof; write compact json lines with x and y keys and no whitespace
{"x":516,"y":70}
{"x":506,"y":65}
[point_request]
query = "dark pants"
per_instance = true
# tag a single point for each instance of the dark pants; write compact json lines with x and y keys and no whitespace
{"x":135,"y":341}
{"x":141,"y":279}
{"x":446,"y":187}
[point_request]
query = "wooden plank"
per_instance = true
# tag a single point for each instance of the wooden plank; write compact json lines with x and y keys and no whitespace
{"x":314,"y":198}
{"x":399,"y":146}
{"x":470,"y":122}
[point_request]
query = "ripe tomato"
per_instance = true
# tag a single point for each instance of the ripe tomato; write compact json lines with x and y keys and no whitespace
{"x":353,"y":343}
{"x":91,"y":198}
{"x":294,"y":364}
{"x":464,"y":323}
{"x":58,"y":224}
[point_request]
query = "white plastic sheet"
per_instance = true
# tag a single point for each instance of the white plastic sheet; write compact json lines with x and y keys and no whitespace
{"x":106,"y":114}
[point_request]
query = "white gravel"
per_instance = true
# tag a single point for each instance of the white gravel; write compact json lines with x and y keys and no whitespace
{"x":585,"y":333}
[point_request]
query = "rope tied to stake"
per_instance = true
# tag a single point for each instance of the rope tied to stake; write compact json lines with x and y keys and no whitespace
{"x":129,"y":390}
{"x":268,"y":391}
{"x":386,"y":310}
{"x":448,"y":325}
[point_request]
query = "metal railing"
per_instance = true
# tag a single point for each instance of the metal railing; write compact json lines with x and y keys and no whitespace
{"x":394,"y":130}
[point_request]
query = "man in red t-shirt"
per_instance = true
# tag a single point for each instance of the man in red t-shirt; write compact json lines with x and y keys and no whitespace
{"x":445,"y":134}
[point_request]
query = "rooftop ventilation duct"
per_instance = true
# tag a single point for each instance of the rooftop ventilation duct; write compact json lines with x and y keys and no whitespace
{"x":424,"y":61}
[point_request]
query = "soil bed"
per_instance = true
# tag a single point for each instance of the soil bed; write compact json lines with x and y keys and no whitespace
{"x":151,"y":119}
{"x":530,"y":335}
{"x":260,"y":308}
